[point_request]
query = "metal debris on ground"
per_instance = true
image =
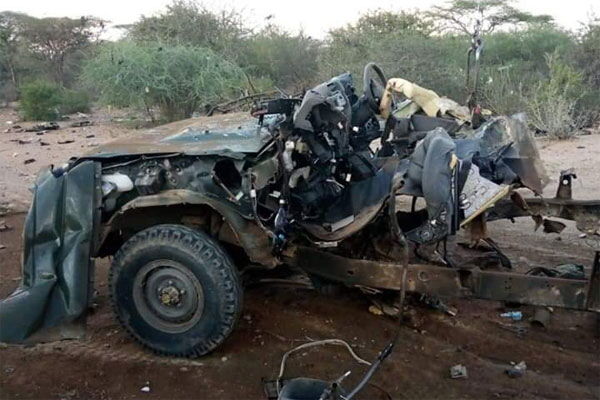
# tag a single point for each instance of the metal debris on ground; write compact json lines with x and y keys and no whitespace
{"x":375,"y":310}
{"x":314,"y":183}
{"x":517,"y":371}
{"x":145,"y":388}
{"x":79,"y":124}
{"x":458,"y":371}
{"x":437,"y":304}
{"x":564,"y":271}
{"x":317,"y":389}
{"x":21,"y":141}
{"x":67,"y":141}
{"x":44,"y":126}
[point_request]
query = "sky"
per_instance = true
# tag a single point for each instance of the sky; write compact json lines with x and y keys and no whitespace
{"x":315,"y":17}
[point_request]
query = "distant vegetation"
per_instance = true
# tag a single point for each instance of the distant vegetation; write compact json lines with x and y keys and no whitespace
{"x":175,"y":63}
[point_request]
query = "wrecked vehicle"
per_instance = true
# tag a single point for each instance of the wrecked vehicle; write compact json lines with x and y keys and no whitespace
{"x":318,"y":183}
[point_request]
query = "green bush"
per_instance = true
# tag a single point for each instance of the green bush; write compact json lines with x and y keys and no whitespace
{"x":290,"y":61}
{"x":43,"y":100}
{"x":73,"y":101}
{"x":40,"y":100}
{"x":553,"y":102}
{"x":175,"y":79}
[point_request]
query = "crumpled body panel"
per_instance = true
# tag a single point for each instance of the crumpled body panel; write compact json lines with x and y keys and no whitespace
{"x":58,"y":239}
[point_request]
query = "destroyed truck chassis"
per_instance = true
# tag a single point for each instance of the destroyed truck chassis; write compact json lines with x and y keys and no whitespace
{"x":182,"y":207}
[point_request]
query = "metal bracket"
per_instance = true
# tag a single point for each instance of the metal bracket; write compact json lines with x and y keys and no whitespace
{"x":564,"y":190}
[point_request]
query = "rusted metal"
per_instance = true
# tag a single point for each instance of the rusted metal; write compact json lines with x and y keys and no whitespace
{"x":242,"y":230}
{"x":527,"y":289}
{"x":585,"y":213}
{"x":449,"y":282}
{"x":226,"y":135}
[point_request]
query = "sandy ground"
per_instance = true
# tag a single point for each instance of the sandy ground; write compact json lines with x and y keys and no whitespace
{"x":563,"y":359}
{"x":17,"y":149}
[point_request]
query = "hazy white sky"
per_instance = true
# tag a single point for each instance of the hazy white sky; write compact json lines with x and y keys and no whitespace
{"x":314,"y":16}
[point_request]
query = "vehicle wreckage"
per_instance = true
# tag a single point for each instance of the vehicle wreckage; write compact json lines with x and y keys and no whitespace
{"x":348,"y":188}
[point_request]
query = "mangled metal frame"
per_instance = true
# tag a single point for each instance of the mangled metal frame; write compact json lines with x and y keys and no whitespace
{"x":65,"y":222}
{"x":576,"y":294}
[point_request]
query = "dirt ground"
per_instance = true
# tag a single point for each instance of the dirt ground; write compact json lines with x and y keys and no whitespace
{"x":563,"y":360}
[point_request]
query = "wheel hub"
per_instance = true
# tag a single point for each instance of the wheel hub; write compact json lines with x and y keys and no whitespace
{"x":168,"y":295}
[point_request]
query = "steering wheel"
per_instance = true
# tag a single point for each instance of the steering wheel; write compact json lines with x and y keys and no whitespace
{"x":374,"y":82}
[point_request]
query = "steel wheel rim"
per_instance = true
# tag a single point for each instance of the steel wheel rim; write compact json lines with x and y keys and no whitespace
{"x":168,"y":296}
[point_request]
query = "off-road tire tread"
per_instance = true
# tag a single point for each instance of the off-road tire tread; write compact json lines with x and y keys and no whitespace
{"x":194,"y":242}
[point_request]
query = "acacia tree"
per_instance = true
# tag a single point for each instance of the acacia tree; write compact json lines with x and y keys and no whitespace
{"x":383,"y":22}
{"x":289,"y":60}
{"x":460,"y":16}
{"x":190,"y":23}
{"x":176,"y":79}
{"x":55,"y":39}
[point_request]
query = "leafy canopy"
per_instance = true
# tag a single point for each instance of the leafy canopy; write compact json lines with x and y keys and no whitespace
{"x":176,"y":79}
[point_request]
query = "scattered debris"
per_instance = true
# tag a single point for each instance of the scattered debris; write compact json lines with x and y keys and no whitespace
{"x":21,"y":141}
{"x":437,"y":304}
{"x":458,"y":371}
{"x":80,"y":124}
{"x":514,"y":315}
{"x":14,"y":128}
{"x":2,"y":247}
{"x":145,"y":388}
{"x":42,"y":143}
{"x":44,"y":126}
{"x":29,"y":161}
{"x":307,"y":175}
{"x":517,"y":371}
{"x":564,"y":271}
{"x":90,"y":136}
{"x":551,"y":226}
{"x":375,"y":310}
{"x":310,"y":388}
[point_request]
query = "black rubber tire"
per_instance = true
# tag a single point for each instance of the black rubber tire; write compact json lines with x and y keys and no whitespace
{"x":199,"y":255}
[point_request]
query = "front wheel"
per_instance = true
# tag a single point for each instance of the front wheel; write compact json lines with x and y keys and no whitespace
{"x":175,"y":290}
